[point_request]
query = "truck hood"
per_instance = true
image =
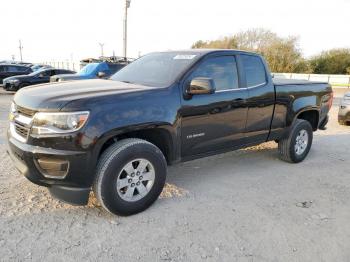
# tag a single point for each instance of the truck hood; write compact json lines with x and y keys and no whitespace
{"x":54,"y":96}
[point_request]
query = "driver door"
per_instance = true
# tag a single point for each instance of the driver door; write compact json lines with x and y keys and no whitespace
{"x":214,"y":122}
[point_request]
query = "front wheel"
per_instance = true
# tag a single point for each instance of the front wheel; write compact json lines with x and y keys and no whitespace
{"x":296,"y":147}
{"x":130,"y":176}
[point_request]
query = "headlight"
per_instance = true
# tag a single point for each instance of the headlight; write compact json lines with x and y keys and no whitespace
{"x":14,"y":81}
{"x":58,"y":123}
{"x":12,"y":111}
{"x":12,"y":108}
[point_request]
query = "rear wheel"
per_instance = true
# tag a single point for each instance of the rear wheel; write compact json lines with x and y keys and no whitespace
{"x":130,"y":176}
{"x":296,"y":147}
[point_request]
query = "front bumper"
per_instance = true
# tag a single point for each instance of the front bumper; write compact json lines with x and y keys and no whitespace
{"x":72,"y":188}
{"x":10,"y":86}
{"x":6,"y":86}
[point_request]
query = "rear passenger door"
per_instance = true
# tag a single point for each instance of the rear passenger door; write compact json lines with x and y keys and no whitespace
{"x":261,"y":98}
{"x":213,"y":122}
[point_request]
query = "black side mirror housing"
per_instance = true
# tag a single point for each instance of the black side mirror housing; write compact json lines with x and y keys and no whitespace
{"x":201,"y":86}
{"x":101,"y":74}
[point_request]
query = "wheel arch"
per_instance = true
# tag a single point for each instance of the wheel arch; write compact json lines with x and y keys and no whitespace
{"x":161,"y":136}
{"x":312,"y":115}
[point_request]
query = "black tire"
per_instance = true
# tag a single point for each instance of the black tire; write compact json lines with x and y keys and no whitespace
{"x":112,"y":162}
{"x":286,"y":146}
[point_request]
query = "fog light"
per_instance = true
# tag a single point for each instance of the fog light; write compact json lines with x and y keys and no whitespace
{"x":53,"y":167}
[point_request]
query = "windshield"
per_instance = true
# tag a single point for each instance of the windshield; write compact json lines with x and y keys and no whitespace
{"x":88,"y":69}
{"x":157,"y":69}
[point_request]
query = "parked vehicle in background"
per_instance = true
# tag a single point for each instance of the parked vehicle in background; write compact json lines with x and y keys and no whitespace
{"x":344,"y":110}
{"x":113,"y":61}
{"x":117,"y":136}
{"x":38,"y":67}
{"x":90,"y":71}
{"x":7,"y":70}
{"x":42,"y":76}
{"x":25,"y":64}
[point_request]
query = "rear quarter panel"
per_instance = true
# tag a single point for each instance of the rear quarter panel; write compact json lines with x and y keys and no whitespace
{"x":293,"y":99}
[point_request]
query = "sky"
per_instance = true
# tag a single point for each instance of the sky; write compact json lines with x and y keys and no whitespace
{"x":72,"y":29}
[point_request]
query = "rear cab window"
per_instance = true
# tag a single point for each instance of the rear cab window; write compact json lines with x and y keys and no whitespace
{"x":254,"y":69}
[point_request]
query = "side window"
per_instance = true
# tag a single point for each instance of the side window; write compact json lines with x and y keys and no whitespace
{"x":2,"y":68}
{"x":22,"y":69}
{"x":254,"y":70}
{"x":223,"y":71}
{"x":45,"y":73}
{"x":13,"y":69}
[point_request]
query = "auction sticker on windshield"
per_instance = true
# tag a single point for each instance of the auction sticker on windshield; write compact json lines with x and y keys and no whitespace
{"x":188,"y":57}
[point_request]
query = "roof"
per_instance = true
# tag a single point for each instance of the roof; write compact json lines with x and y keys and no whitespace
{"x":9,"y":64}
{"x":206,"y":51}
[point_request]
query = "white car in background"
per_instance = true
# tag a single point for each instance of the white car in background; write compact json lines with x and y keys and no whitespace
{"x":344,"y":110}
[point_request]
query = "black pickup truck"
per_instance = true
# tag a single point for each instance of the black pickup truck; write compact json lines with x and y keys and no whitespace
{"x":116,"y":137}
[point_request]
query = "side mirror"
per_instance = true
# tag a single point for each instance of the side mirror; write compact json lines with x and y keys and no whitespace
{"x":201,"y":86}
{"x":101,"y":74}
{"x":41,"y":75}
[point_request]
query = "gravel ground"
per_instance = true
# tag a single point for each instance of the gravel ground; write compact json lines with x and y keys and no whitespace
{"x":240,"y":206}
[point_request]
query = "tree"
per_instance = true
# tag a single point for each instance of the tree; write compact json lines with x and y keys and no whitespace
{"x":282,"y":54}
{"x":334,"y":61}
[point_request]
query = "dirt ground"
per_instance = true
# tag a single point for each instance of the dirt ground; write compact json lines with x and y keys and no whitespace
{"x":240,"y":206}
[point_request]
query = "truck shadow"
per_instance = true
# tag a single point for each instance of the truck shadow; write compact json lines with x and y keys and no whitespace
{"x":251,"y":162}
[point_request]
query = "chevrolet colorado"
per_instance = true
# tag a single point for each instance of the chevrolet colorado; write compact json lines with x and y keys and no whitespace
{"x":116,"y":137}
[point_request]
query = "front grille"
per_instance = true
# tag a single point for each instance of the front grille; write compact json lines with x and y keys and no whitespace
{"x":21,"y":130}
{"x":25,"y":111}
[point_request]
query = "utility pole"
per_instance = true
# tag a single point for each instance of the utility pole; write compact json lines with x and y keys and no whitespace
{"x":127,"y":5}
{"x":20,"y":49}
{"x":101,"y":44}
